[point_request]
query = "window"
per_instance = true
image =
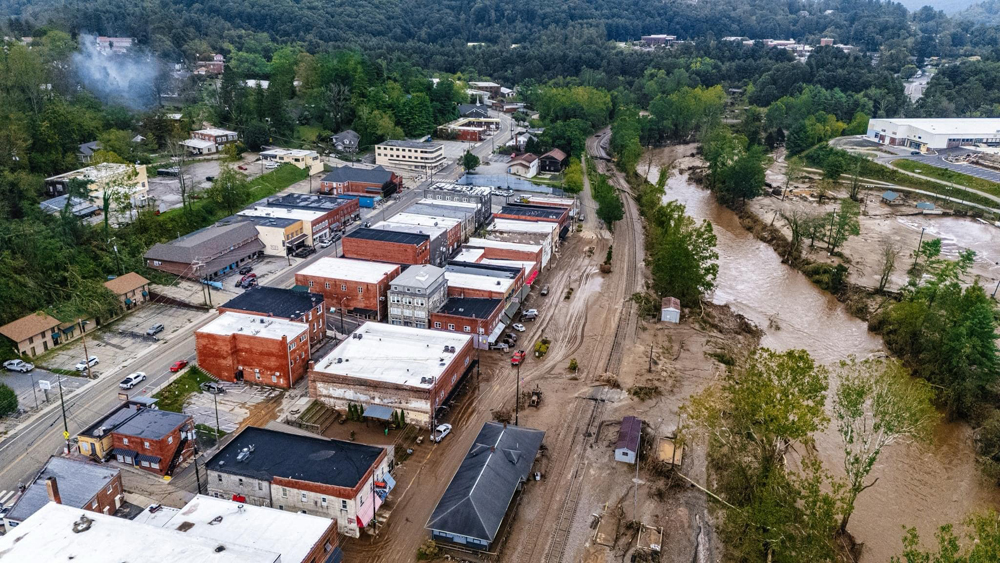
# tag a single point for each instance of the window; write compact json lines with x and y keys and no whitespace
{"x":437,"y":324}
{"x":95,"y":504}
{"x":155,"y":465}
{"x":145,"y":445}
{"x":360,"y":290}
{"x":328,"y":285}
{"x":109,"y":490}
{"x":260,"y":486}
{"x":310,"y":283}
{"x":241,"y":481}
{"x":451,"y":326}
{"x":467,"y":329}
{"x":170,"y":439}
{"x":322,"y":501}
{"x":125,"y":441}
{"x":284,"y":492}
{"x":343,"y":505}
{"x":303,"y":497}
{"x":220,"y":477}
{"x":343,"y":287}
{"x":274,"y":379}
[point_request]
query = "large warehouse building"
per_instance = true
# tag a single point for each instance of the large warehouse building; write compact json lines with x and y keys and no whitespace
{"x":924,"y":134}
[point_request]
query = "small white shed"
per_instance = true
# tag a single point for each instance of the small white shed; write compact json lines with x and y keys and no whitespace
{"x":627,"y":446}
{"x":670,"y":310}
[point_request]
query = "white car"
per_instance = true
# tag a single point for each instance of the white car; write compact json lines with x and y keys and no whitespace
{"x":325,"y":244}
{"x":91,"y":361}
{"x":270,"y":165}
{"x":440,"y":432}
{"x":18,"y":365}
{"x":132,"y":380}
{"x":518,"y":327}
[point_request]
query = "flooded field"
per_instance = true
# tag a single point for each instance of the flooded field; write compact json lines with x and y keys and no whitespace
{"x":922,"y":487}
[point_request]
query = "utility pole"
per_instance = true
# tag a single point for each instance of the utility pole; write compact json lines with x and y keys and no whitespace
{"x":916,"y":255}
{"x":35,"y":395}
{"x":342,"y":330}
{"x":995,"y":290}
{"x":635,"y":491}
{"x":517,"y":397}
{"x":218,"y":431}
{"x":62,"y":405}
{"x":86,"y":355}
{"x":197,"y":477}
{"x":650,"y":358}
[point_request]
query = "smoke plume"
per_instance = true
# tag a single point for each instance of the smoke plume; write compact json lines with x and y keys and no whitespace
{"x":127,"y":78}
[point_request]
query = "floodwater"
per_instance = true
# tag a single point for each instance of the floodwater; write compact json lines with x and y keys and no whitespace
{"x":958,"y":234}
{"x":923,"y":487}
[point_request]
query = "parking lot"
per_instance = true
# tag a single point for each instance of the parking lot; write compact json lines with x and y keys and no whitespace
{"x":166,"y":190}
{"x":30,"y":395}
{"x":234,"y":404}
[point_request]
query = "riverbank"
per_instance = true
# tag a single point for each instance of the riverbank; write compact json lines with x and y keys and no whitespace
{"x":924,"y":487}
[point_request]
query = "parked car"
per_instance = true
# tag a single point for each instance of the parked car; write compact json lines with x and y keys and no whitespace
{"x":512,"y":336}
{"x":209,"y":178}
{"x":18,"y":365}
{"x":270,"y":165}
{"x":91,"y":361}
{"x":914,"y":153}
{"x":155,"y":329}
{"x":178,"y":366}
{"x":304,"y":251}
{"x":336,"y":237}
{"x":250,"y":284}
{"x":517,"y":358}
{"x":499,"y":346}
{"x":132,"y":380}
{"x":245,"y":270}
{"x":367,"y":224}
{"x":440,"y":432}
{"x":583,"y":217}
{"x":213,"y":388}
{"x":545,"y":291}
{"x":518,"y":327}
{"x":325,"y":244}
{"x":246,"y":279}
{"x":241,"y":167}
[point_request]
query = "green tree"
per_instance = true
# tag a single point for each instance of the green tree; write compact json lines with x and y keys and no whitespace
{"x":843,"y":224}
{"x":230,"y":189}
{"x":877,"y":404}
{"x":982,"y":543}
{"x":682,"y":254}
{"x":256,"y":135}
{"x":8,"y":400}
{"x":469,"y":161}
{"x":798,"y":139}
{"x":744,"y":178}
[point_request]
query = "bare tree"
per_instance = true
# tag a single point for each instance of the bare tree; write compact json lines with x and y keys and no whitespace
{"x":798,"y":223}
{"x":889,"y":252}
{"x":855,"y":190}
{"x":793,"y":169}
{"x":179,"y":154}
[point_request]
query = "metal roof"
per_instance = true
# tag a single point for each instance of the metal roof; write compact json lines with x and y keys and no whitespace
{"x":628,"y":434}
{"x":207,"y":243}
{"x":284,"y":303}
{"x":397,"y":237}
{"x":479,"y":494}
{"x":470,"y":307}
{"x":152,"y":423}
{"x":78,"y":483}
{"x":377,"y":175}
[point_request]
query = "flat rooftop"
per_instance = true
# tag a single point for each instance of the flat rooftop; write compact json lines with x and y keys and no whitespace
{"x":517,"y":226}
{"x":288,"y":152}
{"x":487,"y":243}
{"x":285,"y":212}
{"x":394,"y":354}
{"x":96,"y":173}
{"x":951,"y":126}
{"x":503,"y":272}
{"x":412,"y":145}
{"x":152,"y":423}
{"x":446,"y":203}
{"x":421,"y":275}
{"x":533,"y":211}
{"x":398,"y":237}
{"x":478,"y":282}
{"x":400,"y":227}
{"x":254,"y":325}
{"x":526,"y":265}
{"x":293,"y":456}
{"x":291,"y":534}
{"x":307,"y":201}
{"x":469,"y":307}
{"x":261,"y":221}
{"x":470,"y":254}
{"x":463,"y":188}
{"x":216,"y":131}
{"x":348,"y":269}
{"x":284,"y":303}
{"x":48,"y":536}
{"x":461,"y":214}
{"x":424,"y":220}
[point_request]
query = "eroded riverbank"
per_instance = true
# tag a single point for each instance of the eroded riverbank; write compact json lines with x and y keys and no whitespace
{"x":924,"y":487}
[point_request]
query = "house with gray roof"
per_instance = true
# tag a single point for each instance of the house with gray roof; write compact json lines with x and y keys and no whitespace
{"x":86,"y":151}
{"x":207,"y":253}
{"x":473,"y":509}
{"x":72,"y":482}
{"x":346,"y":141}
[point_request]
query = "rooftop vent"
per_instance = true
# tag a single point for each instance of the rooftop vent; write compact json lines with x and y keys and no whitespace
{"x":214,"y":521}
{"x":244,"y":453}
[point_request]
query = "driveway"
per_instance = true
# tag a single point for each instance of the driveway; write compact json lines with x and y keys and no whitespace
{"x":30,"y":395}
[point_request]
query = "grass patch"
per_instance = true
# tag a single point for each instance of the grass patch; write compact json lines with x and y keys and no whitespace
{"x":307,"y":133}
{"x":173,"y":396}
{"x":946,"y":175}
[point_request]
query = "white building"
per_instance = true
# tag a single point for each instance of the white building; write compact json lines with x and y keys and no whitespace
{"x":124,"y":181}
{"x":307,"y":160}
{"x":926,"y":134}
{"x":415,"y":156}
{"x":316,"y":224}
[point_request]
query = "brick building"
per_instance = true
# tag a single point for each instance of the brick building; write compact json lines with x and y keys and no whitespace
{"x":451,"y":225}
{"x":298,"y":306}
{"x":463,"y":212}
{"x":480,"y":196}
{"x":530,"y":212}
{"x":71,"y":482}
{"x":343,"y":211}
{"x":399,"y":368}
{"x":500,"y":250}
{"x":366,"y":181}
{"x":207,"y":253}
{"x":261,"y":350}
{"x":154,"y":440}
{"x":96,"y":440}
{"x":478,"y":317}
{"x":357,"y":286}
{"x":209,"y":141}
{"x":437,"y":240}
{"x":387,"y":246}
{"x":315,"y":223}
{"x":344,"y":481}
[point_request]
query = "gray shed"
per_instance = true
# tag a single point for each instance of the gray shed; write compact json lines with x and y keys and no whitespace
{"x":670,"y":310}
{"x":627,"y":447}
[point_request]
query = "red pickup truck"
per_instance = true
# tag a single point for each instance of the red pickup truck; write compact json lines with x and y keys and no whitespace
{"x":517,"y":358}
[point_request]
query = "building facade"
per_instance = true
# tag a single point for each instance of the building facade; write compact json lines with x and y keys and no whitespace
{"x":154,"y":440}
{"x":209,"y":141}
{"x":387,"y":246}
{"x":356,"y":286}
{"x":132,"y":290}
{"x":413,"y":156}
{"x":306,"y":160}
{"x":478,"y":317}
{"x":297,"y":306}
{"x":930,"y":134}
{"x":480,"y":196}
{"x":415,"y":294}
{"x":207,"y":253}
{"x":267,"y":351}
{"x":363,"y":181}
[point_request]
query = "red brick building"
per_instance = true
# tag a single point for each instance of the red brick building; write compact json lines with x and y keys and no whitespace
{"x":288,"y":304}
{"x":530,"y":212}
{"x":342,"y":211}
{"x":453,"y":226}
{"x":357,"y":286}
{"x":485,"y":281}
{"x":154,"y":440}
{"x":478,"y":317}
{"x":501,"y":250}
{"x":364,"y":181}
{"x":261,"y":350}
{"x":387,"y":246}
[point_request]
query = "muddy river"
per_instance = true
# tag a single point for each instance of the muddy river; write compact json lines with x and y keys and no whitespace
{"x":924,"y":487}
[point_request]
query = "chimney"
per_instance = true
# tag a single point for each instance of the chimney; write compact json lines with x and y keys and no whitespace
{"x":53,"y":489}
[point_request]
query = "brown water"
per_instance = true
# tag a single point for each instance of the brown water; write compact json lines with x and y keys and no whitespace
{"x":923,"y":487}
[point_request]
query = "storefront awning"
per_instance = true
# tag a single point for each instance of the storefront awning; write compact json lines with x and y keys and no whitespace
{"x":508,"y":314}
{"x":531,"y":278}
{"x":497,"y":332}
{"x":147,"y":458}
{"x":124,"y":452}
{"x":378,"y":411}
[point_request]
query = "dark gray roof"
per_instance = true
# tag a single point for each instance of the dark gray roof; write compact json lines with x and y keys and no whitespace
{"x":537,"y":211}
{"x":110,"y":421}
{"x":79,"y":206}
{"x":152,"y":423}
{"x":470,"y":307}
{"x":283,"y":303}
{"x":207,"y":243}
{"x":307,"y":201}
{"x":629,"y":433}
{"x":377,"y":175}
{"x":467,"y":109}
{"x":261,"y":221}
{"x":398,"y":237}
{"x":348,"y":136}
{"x":292,"y":456}
{"x":88,"y":149}
{"x":78,"y":483}
{"x":492,"y":270}
{"x":479,"y":494}
{"x":411,"y":144}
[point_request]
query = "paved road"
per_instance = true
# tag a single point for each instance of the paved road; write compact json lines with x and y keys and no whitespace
{"x":915,"y":87}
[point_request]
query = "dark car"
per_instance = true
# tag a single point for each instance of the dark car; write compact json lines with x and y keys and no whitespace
{"x":213,"y":388}
{"x":915,"y":153}
{"x":304,"y":251}
{"x":209,"y":178}
{"x":545,"y":291}
{"x":245,"y":270}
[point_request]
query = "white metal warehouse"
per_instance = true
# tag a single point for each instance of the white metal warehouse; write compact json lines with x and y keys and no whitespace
{"x":924,"y":134}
